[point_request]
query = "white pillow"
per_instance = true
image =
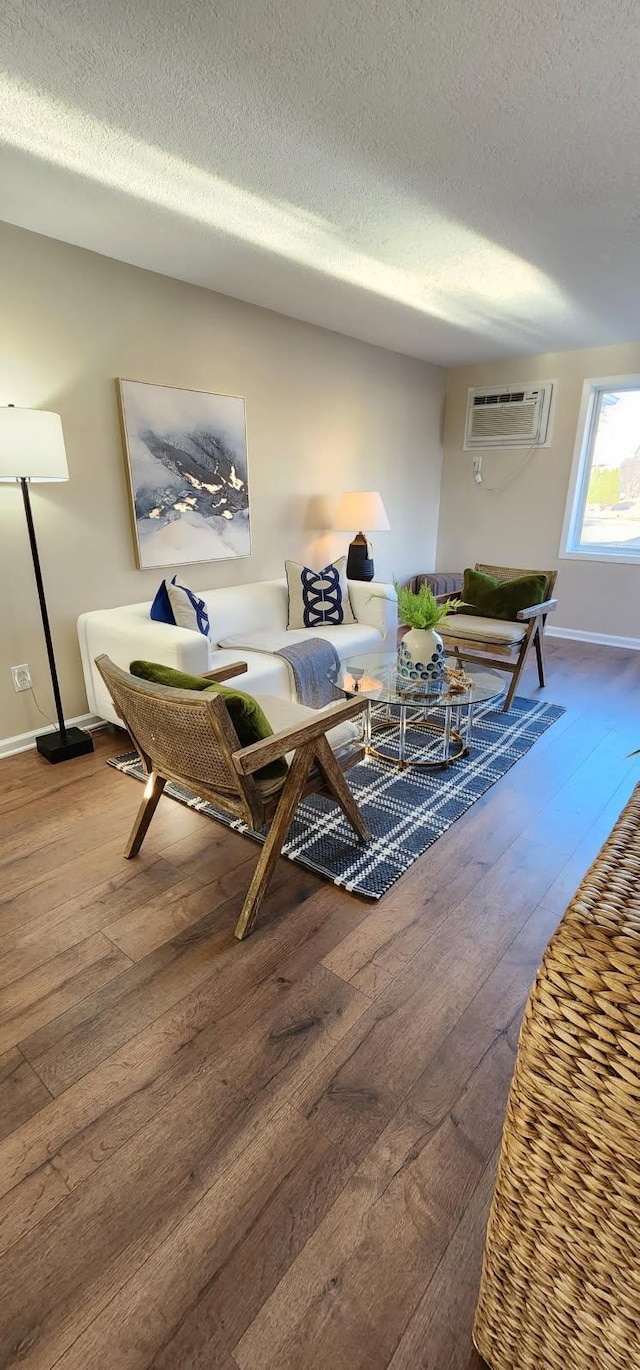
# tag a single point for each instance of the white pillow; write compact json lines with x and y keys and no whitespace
{"x":318,"y":598}
{"x":188,"y":610}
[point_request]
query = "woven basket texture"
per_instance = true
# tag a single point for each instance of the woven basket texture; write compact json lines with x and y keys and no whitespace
{"x":560,"y":1285}
{"x":176,"y":729}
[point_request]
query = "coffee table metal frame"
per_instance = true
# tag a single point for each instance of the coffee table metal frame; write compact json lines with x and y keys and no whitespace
{"x":400,"y":702}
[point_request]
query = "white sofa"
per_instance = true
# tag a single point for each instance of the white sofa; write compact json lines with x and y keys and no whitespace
{"x":248,"y":623}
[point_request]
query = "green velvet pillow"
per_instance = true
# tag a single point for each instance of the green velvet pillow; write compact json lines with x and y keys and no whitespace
{"x":248,"y":717}
{"x":491,"y":598}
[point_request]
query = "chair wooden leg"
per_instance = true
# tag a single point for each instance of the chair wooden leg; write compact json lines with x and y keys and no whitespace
{"x":519,"y":666}
{"x":282,"y":819}
{"x":539,"y":641}
{"x":512,"y":689}
{"x":334,"y":779}
{"x":152,"y":791}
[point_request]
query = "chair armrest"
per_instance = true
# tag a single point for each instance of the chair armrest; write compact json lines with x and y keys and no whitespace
{"x":546,"y":608}
{"x":260,"y":754}
{"x":225,"y":672}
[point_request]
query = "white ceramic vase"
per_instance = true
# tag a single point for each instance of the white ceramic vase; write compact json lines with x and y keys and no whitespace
{"x":421,"y":656}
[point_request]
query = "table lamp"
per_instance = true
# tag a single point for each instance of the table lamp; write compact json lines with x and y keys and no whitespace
{"x":360,"y":509}
{"x":32,"y":449}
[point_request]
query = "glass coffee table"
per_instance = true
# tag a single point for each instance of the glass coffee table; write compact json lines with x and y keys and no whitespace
{"x":445,"y":715}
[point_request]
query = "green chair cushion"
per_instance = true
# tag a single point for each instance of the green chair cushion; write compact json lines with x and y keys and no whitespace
{"x":248,"y":717}
{"x":491,"y":598}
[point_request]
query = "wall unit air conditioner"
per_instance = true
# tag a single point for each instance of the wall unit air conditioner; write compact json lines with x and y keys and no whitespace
{"x":508,"y":416}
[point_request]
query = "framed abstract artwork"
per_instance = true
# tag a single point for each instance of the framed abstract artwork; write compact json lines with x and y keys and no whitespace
{"x":186,"y":453}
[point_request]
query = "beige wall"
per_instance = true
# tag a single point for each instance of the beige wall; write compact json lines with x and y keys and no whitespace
{"x":523,"y":525}
{"x":323,"y":412}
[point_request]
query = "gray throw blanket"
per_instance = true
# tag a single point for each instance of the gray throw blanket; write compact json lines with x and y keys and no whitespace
{"x":316,"y":666}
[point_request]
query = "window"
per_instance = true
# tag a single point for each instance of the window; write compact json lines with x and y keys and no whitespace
{"x":603,"y":512}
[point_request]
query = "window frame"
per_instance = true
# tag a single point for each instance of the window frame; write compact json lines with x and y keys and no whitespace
{"x":592,"y":391}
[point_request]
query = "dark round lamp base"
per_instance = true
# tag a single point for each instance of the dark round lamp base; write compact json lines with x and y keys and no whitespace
{"x":359,"y":563}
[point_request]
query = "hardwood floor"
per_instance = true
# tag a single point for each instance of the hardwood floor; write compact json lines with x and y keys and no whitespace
{"x":280,"y":1153}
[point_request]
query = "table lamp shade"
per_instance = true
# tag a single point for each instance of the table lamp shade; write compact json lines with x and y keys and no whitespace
{"x":31,"y":445}
{"x":361,"y":509}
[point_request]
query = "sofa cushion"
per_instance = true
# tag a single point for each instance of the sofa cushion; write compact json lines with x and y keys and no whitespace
{"x":237,"y":608}
{"x":475,"y":628}
{"x":266,"y":673}
{"x":347,"y":638}
{"x":318,"y":597}
{"x":492,"y":598}
{"x":248,"y":718}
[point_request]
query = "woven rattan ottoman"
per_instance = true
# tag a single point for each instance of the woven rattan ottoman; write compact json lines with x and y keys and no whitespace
{"x":560,"y":1285}
{"x":441,"y":582}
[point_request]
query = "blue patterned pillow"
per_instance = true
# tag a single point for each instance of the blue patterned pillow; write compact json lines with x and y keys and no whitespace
{"x":178,"y":605}
{"x":318,"y":598}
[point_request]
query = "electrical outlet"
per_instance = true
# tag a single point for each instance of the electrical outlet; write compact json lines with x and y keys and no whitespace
{"x":21,"y":677}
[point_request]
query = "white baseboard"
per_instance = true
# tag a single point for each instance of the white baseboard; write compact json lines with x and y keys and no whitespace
{"x":9,"y":746}
{"x":605,"y":639}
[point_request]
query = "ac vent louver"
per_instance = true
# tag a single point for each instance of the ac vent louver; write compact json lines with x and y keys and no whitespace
{"x":517,"y":416}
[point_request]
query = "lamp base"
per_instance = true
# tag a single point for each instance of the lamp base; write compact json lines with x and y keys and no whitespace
{"x":58,"y":746}
{"x":359,"y":559}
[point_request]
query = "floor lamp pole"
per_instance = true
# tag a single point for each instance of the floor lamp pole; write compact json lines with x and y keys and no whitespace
{"x":43,"y":604}
{"x":67,"y":742}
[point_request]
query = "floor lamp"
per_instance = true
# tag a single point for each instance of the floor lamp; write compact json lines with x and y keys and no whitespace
{"x":32,"y":449}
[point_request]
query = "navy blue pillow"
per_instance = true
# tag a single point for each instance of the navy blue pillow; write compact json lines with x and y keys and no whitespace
{"x":178,"y":605}
{"x":161,"y":609}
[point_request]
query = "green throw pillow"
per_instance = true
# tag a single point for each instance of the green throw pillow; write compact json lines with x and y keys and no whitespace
{"x":248,"y":717}
{"x":491,"y":598}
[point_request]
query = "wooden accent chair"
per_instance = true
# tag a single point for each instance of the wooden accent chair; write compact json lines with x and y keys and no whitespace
{"x":187,"y":736}
{"x":560,"y":1285}
{"x":494,"y":642}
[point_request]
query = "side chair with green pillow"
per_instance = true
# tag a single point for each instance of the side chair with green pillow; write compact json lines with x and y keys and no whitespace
{"x":503,"y":614}
{"x":253,"y":757}
{"x":246,"y":714}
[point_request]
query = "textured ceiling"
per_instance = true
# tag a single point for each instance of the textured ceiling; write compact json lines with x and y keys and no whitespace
{"x":455,"y":181}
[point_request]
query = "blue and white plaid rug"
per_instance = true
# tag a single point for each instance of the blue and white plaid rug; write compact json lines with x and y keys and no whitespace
{"x":406,"y":810}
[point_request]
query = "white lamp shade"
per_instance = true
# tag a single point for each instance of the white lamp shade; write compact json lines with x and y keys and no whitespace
{"x":361,"y":510}
{"x":31,"y":445}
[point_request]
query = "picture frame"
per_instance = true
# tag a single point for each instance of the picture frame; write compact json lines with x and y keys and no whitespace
{"x":187,"y":472}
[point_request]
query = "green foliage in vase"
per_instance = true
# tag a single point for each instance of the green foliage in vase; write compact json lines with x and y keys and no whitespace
{"x":421,"y":609}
